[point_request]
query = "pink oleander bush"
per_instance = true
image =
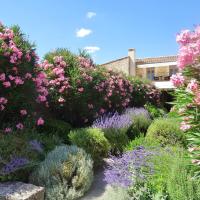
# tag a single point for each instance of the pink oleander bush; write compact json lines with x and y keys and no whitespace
{"x":80,"y":91}
{"x":22,"y":85}
{"x":187,"y":93}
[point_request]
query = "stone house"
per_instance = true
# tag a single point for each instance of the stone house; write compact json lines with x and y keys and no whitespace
{"x":156,"y":69}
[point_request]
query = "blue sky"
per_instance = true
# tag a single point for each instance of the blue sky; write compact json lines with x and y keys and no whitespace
{"x":112,"y":28}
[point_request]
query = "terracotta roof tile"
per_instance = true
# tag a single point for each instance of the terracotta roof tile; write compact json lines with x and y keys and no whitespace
{"x":161,"y":59}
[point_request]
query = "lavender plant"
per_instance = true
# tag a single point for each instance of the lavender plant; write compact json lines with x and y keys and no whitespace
{"x":114,"y":127}
{"x":36,"y":146}
{"x":130,"y":168}
{"x":133,"y":112}
{"x":15,"y":164}
{"x":115,"y":121}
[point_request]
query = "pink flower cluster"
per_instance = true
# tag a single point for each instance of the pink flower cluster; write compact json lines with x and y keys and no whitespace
{"x":85,"y":62}
{"x":189,"y":51}
{"x":17,"y":74}
{"x":56,"y":75}
{"x":177,"y":79}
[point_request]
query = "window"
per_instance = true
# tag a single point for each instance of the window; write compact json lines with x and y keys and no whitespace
{"x":173,"y":70}
{"x":150,"y":73}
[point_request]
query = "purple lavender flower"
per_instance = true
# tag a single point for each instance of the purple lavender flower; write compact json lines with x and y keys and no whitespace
{"x":132,"y":112}
{"x":36,"y":145}
{"x":112,"y":121}
{"x":14,"y":164}
{"x":131,"y":167}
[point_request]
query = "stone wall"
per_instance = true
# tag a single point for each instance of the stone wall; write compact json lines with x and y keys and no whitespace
{"x":120,"y":65}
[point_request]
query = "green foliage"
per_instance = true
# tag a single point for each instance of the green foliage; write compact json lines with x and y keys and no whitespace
{"x":56,"y":127}
{"x":117,"y":138}
{"x":180,"y":184}
{"x":93,"y":141}
{"x":140,"y":125}
{"x":155,"y":111}
{"x":141,"y":122}
{"x":17,"y":145}
{"x":166,"y":131}
{"x":66,"y":172}
{"x":141,"y":141}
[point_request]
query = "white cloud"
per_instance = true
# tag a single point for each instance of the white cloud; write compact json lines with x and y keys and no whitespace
{"x":91,"y":49}
{"x":91,"y":15}
{"x":83,"y":32}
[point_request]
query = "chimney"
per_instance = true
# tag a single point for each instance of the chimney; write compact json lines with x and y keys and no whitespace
{"x":132,"y":62}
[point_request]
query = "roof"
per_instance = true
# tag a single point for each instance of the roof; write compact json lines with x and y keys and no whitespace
{"x":161,"y":59}
{"x":140,"y":61}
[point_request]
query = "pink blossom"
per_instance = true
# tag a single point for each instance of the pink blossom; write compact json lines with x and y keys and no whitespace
{"x":28,"y":76}
{"x":61,"y":100}
{"x":2,"y":107}
{"x":40,"y":121}
{"x":197,"y":98}
{"x":102,"y":110}
{"x":2,"y":77}
{"x":184,"y":37}
{"x":185,"y":126}
{"x":177,"y":79}
{"x":192,"y":86}
{"x":7,"y":130}
{"x":3,"y":100}
{"x":23,"y":112}
{"x":41,"y":98}
{"x":7,"y":84}
{"x":81,"y":89}
{"x":11,"y":77}
{"x":20,"y":126}
{"x":18,"y":81}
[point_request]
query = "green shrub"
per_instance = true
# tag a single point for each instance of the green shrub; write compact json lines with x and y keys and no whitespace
{"x":56,"y":127}
{"x":155,"y":112}
{"x":28,"y":145}
{"x":93,"y":141}
{"x":166,"y":131}
{"x":66,"y":173}
{"x":117,"y":138}
{"x":180,"y":184}
{"x":141,"y":141}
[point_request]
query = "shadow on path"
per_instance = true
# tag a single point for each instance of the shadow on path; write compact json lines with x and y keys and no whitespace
{"x":98,"y":189}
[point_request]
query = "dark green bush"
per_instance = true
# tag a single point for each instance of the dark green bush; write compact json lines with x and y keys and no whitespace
{"x":140,"y":125}
{"x":66,"y":173}
{"x":141,"y":141}
{"x":117,"y":138}
{"x":56,"y":127}
{"x":155,"y":111}
{"x":17,"y":145}
{"x":93,"y":141}
{"x":166,"y":131}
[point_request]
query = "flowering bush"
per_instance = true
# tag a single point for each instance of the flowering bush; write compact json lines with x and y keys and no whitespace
{"x":80,"y":92}
{"x":21,"y":152}
{"x":131,"y":167}
{"x":187,"y":94}
{"x":114,"y":127}
{"x":21,"y":84}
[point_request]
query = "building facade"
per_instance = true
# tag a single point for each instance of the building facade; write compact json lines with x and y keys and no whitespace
{"x":156,"y":69}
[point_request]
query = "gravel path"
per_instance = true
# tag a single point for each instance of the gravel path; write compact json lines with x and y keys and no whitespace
{"x":98,"y":189}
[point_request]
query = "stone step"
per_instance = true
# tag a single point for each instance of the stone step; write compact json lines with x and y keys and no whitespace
{"x":20,"y":191}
